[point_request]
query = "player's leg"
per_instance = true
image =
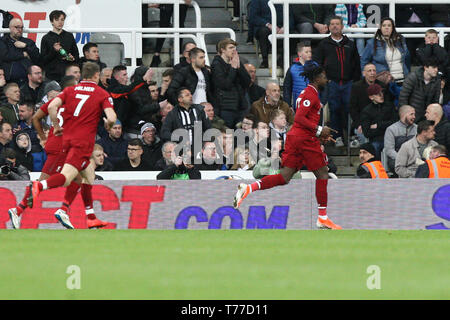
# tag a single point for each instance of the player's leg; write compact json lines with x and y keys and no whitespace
{"x":266,"y":182}
{"x":70,"y":194}
{"x":322,"y":199}
{"x":86,"y":194}
{"x":16,"y":212}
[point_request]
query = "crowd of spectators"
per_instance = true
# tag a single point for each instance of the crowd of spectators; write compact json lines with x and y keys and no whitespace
{"x":393,"y":91}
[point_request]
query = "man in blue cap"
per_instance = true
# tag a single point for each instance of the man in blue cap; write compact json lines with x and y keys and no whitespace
{"x":114,"y":145}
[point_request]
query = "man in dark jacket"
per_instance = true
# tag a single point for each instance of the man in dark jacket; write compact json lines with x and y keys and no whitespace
{"x":254,"y":91}
{"x":151,"y":144}
{"x":184,"y":60}
{"x":58,"y":48}
{"x":134,"y":160}
{"x":185,"y":115}
{"x":421,"y":88}
{"x":442,"y":125}
{"x":114,"y":145}
{"x":377,"y":116}
{"x":91,"y":53}
{"x":120,"y":90}
{"x":17,"y":53}
{"x":359,"y":98}
{"x":143,"y":104}
{"x":230,"y":80}
{"x":195,"y":77}
{"x":33,"y":89}
{"x":340,"y":58}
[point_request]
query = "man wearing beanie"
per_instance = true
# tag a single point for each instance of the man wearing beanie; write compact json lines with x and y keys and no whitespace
{"x":377,"y":116}
{"x":114,"y":145}
{"x":370,"y":167}
{"x":151,"y":144}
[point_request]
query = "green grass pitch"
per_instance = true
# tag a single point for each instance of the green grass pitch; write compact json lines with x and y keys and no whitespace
{"x":224,"y":264}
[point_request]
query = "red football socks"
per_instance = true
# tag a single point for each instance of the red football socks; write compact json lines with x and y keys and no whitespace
{"x":268,"y":182}
{"x":23,"y":204}
{"x":56,"y":180}
{"x":86,"y":194}
{"x":322,"y":196}
{"x":69,"y":196}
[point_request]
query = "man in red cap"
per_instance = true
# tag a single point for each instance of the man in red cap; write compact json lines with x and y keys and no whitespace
{"x":377,"y":116}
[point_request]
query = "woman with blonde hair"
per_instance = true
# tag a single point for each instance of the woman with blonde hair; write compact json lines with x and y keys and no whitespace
{"x":242,"y":159}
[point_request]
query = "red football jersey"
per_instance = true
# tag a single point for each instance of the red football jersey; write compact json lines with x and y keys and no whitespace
{"x":54,"y":143}
{"x":82,"y":108}
{"x":307,"y":116}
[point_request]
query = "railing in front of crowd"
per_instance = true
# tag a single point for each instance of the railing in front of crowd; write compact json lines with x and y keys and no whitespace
{"x":148,"y":33}
{"x":286,"y":36}
{"x":176,"y":24}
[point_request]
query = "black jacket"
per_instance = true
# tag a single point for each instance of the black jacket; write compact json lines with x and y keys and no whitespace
{"x":359,"y":99}
{"x":418,"y":94}
{"x":340,"y":60}
{"x":174,"y":120}
{"x":433,"y":50}
{"x":183,"y":63}
{"x":83,"y":60}
{"x":142,"y":108}
{"x":125,"y":165}
{"x":442,"y":130}
{"x":29,"y":94}
{"x":152,"y":153}
{"x":229,"y":86}
{"x":52,"y":61}
{"x":120,"y":94}
{"x":116,"y":150}
{"x":383,"y":115}
{"x":172,"y":169}
{"x":13,"y":61}
{"x":186,"y":77}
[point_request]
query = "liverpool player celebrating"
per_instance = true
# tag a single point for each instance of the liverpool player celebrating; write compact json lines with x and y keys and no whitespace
{"x":83,"y":106}
{"x":302,"y":147}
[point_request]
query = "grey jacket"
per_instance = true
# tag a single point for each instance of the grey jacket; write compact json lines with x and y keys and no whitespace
{"x":418,"y":94}
{"x":395,"y":135}
{"x":408,"y":158}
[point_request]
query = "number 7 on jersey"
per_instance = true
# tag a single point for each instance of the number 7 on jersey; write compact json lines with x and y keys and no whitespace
{"x":83,"y":98}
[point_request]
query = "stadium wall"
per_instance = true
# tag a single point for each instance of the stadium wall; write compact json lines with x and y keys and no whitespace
{"x":168,"y":205}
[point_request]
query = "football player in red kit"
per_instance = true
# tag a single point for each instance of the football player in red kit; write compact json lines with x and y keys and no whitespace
{"x":80,"y":107}
{"x":302,"y":147}
{"x":53,"y":164}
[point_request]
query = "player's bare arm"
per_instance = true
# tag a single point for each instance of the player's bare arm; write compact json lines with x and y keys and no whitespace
{"x":37,"y":124}
{"x":53,"y":113}
{"x":110,"y":119}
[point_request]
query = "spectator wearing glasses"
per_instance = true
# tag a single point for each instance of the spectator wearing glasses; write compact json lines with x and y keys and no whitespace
{"x":134,"y":161}
{"x":17,"y":53}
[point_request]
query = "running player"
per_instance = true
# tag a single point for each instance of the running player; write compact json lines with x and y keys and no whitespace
{"x":302,"y":147}
{"x":80,"y":108}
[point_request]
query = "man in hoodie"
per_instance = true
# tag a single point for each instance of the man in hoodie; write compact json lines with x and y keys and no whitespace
{"x":58,"y":47}
{"x":398,"y":133}
{"x":22,"y":146}
{"x":151,"y":144}
{"x":340,"y":58}
{"x":421,"y":88}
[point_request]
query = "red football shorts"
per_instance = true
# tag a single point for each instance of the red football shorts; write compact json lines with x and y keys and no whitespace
{"x":303,"y":151}
{"x":54,"y":163}
{"x":78,"y":152}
